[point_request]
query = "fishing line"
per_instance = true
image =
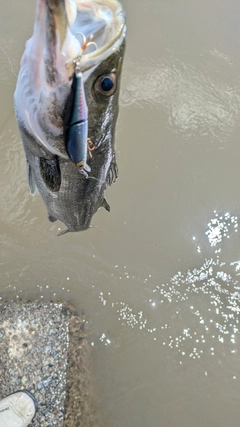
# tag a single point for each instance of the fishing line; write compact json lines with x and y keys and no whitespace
{"x":9,"y":60}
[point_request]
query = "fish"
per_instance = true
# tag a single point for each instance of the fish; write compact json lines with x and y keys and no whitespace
{"x":66,"y":106}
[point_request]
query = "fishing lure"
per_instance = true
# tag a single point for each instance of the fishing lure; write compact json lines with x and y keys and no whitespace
{"x":77,"y":142}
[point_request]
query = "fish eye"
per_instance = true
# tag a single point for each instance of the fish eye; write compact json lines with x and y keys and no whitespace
{"x":106,"y":85}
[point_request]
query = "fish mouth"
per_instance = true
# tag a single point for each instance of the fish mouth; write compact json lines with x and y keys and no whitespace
{"x":86,"y":29}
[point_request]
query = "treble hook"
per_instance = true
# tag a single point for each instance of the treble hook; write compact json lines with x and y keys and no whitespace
{"x":85,"y":44}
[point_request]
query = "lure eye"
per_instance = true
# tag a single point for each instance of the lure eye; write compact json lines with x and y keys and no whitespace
{"x":106,"y":85}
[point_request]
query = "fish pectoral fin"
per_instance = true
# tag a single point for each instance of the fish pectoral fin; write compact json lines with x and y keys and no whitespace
{"x":51,"y":174}
{"x":112,"y":172}
{"x":30,"y":179}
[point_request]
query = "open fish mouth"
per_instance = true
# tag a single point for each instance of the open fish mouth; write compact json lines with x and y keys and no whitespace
{"x":87,"y":28}
{"x":102,"y":19}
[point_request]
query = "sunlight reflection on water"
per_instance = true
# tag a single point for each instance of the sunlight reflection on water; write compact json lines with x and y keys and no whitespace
{"x":207,"y":299}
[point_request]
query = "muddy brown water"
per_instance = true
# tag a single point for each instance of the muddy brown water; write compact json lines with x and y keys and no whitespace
{"x":158,"y":279}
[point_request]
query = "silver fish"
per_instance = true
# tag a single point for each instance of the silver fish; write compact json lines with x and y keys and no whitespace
{"x":75,"y":53}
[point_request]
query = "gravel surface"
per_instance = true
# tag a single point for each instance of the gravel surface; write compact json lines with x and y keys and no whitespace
{"x":43,"y":348}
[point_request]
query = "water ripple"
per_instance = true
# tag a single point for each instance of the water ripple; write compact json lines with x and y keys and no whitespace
{"x":197,"y":103}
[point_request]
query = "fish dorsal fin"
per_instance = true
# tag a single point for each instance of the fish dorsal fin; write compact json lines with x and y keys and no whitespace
{"x":51,"y":173}
{"x":112,"y":172}
{"x":31,"y":180}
